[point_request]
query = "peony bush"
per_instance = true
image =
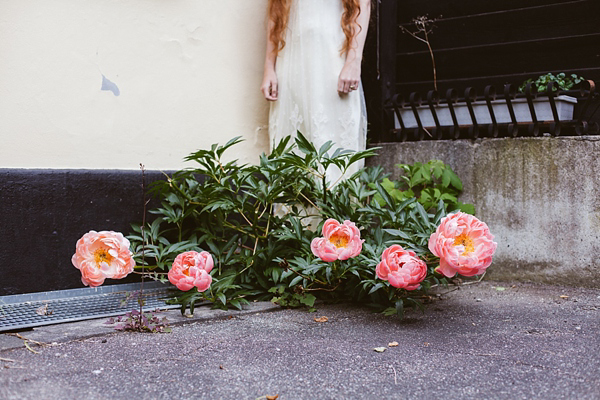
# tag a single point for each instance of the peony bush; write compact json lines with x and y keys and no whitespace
{"x":216,"y":234}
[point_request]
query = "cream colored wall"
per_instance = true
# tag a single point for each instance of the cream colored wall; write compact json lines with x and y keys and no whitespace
{"x":188,"y":73}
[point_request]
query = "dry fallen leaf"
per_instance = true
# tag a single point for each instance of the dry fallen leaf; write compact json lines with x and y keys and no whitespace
{"x":426,"y":344}
{"x":272,"y":397}
{"x":379,"y":349}
{"x":321,"y":319}
{"x":43,"y":310}
{"x":564,"y":296}
{"x":393,"y":344}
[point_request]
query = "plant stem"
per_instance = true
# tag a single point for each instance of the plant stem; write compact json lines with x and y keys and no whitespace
{"x":149,"y":274}
{"x":263,"y":212}
{"x":172,"y":185}
{"x":230,"y":225}
{"x":268,"y":221}
{"x":244,"y":216}
{"x":333,"y":289}
{"x":432,"y":60}
{"x":141,"y":298}
{"x":307,"y":278}
{"x":307,"y":199}
{"x":148,"y":267}
{"x":324,"y":188}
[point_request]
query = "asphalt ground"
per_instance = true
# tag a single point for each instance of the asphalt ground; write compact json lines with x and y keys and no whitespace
{"x":489,"y":340}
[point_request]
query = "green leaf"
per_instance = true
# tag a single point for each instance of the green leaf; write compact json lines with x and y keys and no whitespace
{"x":304,"y":145}
{"x":308,"y":300}
{"x":154,"y":228}
{"x":388,"y":185}
{"x":455,"y":181}
{"x":375,"y":288}
{"x":236,"y":304}
{"x":446,"y":178}
{"x":437,"y":171}
{"x":400,"y":308}
{"x":399,"y":233}
{"x":405,"y":203}
{"x":390,"y":311}
{"x":423,"y":214}
{"x":416,"y":303}
{"x":384,"y":194}
{"x":425,"y":172}
{"x":439,"y":213}
{"x":325,"y":148}
{"x":328,"y":274}
{"x":222,"y":297}
{"x":286,"y":274}
{"x":275,"y":275}
{"x":467,"y":208}
{"x":295,"y":281}
{"x":448,"y":197}
{"x":227,"y":145}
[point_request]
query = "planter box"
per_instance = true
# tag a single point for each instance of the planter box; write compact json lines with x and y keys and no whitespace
{"x":564,"y":106}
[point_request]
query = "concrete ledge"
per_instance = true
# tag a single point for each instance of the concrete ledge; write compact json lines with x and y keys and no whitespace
{"x":61,"y":333}
{"x":539,"y":196}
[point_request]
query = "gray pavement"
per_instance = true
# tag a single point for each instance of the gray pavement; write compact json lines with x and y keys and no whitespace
{"x":489,"y":340}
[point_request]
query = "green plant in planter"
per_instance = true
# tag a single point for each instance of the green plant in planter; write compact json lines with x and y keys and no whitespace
{"x":562,"y":80}
{"x":429,"y":183}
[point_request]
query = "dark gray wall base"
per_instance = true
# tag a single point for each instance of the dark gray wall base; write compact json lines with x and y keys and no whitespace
{"x":44,"y":212}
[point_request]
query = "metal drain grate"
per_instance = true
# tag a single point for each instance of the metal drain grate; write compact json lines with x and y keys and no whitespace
{"x":47,"y":308}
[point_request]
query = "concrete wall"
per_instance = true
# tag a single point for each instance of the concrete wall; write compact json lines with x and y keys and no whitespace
{"x":539,"y":196}
{"x":178,"y":75}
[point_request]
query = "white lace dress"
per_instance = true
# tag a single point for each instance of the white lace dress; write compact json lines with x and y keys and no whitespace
{"x":307,"y":69}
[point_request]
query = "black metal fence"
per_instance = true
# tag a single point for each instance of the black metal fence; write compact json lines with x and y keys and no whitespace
{"x":478,"y":46}
{"x":504,"y":114}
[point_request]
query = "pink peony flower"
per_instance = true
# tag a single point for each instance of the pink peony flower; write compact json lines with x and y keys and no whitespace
{"x":101,"y":255}
{"x":464,"y":245}
{"x":340,"y":241}
{"x":402,"y":268}
{"x":192,"y":269}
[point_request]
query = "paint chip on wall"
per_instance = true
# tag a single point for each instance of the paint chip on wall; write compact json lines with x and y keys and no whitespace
{"x":109,"y":86}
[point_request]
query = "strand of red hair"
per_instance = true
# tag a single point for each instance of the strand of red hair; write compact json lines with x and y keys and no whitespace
{"x":279,"y":13}
{"x":349,"y":25}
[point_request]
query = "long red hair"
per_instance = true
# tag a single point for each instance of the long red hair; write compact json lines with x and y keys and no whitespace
{"x":279,"y":12}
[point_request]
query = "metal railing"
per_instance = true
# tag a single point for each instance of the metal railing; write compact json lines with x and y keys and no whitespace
{"x":492,"y":115}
